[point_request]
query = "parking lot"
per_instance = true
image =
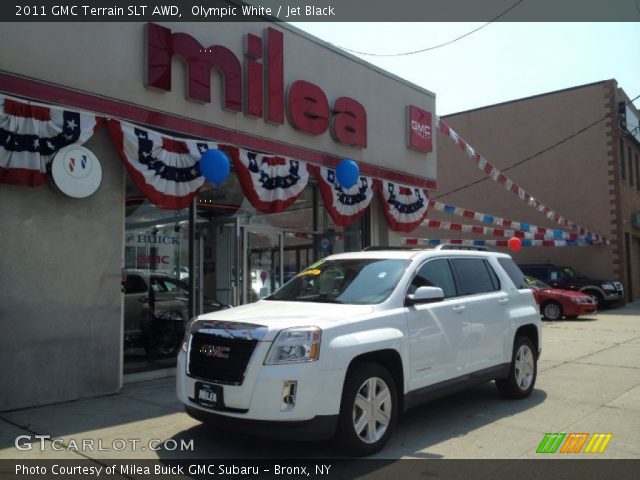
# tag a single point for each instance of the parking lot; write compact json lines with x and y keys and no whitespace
{"x":589,"y":381}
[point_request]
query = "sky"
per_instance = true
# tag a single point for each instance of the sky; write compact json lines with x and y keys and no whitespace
{"x":501,"y":62}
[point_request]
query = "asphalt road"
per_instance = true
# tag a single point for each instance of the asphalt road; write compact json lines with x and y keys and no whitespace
{"x":589,"y":381}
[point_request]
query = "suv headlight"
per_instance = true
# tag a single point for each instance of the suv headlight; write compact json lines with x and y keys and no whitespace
{"x":608,"y":286}
{"x":187,"y":333}
{"x":293,"y":345}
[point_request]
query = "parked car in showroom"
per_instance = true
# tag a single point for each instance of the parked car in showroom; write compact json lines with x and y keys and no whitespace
{"x":606,"y":292}
{"x":556,"y":303}
{"x":156,"y":306}
{"x":356,"y":339}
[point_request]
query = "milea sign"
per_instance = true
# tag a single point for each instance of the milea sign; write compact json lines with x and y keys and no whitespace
{"x":258,"y":88}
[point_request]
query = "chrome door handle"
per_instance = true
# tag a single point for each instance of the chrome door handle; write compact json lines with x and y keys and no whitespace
{"x":503,"y":301}
{"x":459,"y":308}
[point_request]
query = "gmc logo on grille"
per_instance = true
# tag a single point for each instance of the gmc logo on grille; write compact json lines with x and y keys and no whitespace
{"x":214,"y":351}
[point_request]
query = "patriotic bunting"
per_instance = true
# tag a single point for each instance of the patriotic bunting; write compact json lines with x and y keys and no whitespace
{"x":405,"y":207}
{"x":495,"y":174}
{"x":518,"y":229}
{"x":345,"y":205}
{"x":495,"y":232}
{"x":271,"y":183}
{"x":165,"y":169}
{"x":433,"y":242}
{"x":31,"y":133}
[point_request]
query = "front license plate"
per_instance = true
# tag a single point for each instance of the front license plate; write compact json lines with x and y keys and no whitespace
{"x":207,"y":395}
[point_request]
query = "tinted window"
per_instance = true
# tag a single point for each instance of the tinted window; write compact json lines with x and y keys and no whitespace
{"x":135,"y":284}
{"x":515,"y":274}
{"x":473,"y":276}
{"x":436,"y":273}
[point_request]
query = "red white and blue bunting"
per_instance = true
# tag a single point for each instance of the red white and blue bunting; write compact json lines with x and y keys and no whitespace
{"x":345,"y":205}
{"x":165,"y":169}
{"x":405,"y":207}
{"x":270,"y":183}
{"x":31,"y":133}
{"x":432,"y":242}
{"x":498,"y":176}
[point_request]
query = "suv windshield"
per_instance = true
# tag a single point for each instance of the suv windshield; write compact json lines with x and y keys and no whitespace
{"x":356,"y":281}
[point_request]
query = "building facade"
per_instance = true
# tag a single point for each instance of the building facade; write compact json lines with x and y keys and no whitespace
{"x":576,"y":151}
{"x":95,"y":288}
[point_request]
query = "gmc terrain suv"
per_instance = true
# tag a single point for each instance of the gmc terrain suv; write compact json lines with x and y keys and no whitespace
{"x":604,"y":291}
{"x":357,"y":338}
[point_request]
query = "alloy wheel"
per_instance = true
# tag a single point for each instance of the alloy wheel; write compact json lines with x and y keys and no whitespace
{"x":372,"y":410}
{"x":524,"y":367}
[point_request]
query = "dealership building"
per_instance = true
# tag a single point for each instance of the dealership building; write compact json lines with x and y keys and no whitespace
{"x":576,"y":155}
{"x":102,"y":130}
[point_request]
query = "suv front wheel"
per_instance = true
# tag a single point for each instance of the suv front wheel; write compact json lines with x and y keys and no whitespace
{"x":522,"y":372}
{"x":369,"y":409}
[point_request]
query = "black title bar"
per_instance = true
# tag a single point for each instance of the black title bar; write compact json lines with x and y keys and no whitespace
{"x":319,"y":10}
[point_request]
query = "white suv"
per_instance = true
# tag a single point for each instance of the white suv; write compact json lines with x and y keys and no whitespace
{"x":357,"y":338}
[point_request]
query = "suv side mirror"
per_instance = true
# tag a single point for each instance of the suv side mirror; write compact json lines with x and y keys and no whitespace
{"x":425,"y":295}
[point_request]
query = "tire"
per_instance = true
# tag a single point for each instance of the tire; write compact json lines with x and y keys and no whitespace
{"x":355,"y":434}
{"x":166,"y":339}
{"x":552,"y":310}
{"x":600,"y":303}
{"x":522,"y":372}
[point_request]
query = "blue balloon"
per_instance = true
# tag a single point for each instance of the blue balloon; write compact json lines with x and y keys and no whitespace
{"x":214,"y":166}
{"x":347,"y":173}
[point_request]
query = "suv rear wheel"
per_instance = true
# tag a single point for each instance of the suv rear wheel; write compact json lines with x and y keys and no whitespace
{"x":369,"y":409}
{"x":523,"y":371}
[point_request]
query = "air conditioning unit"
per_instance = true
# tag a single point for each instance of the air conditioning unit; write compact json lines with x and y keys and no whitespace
{"x":635,"y":220}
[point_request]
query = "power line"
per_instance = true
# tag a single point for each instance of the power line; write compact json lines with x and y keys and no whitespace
{"x":435,"y":46}
{"x":535,"y":155}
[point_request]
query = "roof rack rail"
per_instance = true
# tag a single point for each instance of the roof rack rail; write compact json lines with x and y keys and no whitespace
{"x":457,"y":246}
{"x":375,"y":248}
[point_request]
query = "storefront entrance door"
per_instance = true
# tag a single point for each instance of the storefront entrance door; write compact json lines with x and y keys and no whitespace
{"x":263,"y":272}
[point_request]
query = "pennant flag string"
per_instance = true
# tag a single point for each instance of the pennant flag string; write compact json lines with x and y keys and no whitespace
{"x":509,"y":184}
{"x":433,"y":242}
{"x":510,"y":224}
{"x":495,"y":232}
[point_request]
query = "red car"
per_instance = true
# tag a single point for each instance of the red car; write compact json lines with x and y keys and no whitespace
{"x":555,"y":303}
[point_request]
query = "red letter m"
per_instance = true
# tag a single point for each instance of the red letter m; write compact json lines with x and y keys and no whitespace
{"x":162,"y":45}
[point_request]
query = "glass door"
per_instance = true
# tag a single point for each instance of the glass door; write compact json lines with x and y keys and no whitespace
{"x":262,"y":262}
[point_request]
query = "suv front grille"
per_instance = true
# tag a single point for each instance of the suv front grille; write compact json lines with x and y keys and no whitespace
{"x":618,"y":286}
{"x":219,"y":359}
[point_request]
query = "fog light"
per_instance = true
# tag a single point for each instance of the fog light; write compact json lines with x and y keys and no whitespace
{"x":289,"y":390}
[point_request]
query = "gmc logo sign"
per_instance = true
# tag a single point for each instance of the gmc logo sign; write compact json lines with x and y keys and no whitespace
{"x":419,"y":122}
{"x":258,"y":87}
{"x":214,"y":351}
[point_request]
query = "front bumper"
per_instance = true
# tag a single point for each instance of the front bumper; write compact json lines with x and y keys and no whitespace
{"x":260,"y":396}
{"x":322,"y":427}
{"x":613,"y":295}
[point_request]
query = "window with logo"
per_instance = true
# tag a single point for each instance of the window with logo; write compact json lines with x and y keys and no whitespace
{"x":475,"y":275}
{"x":436,"y":273}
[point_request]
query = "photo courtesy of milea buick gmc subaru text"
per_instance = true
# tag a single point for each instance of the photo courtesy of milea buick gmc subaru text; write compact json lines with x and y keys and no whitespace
{"x":357,"y":338}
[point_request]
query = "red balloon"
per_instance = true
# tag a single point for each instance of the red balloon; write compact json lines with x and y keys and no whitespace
{"x":514,"y":244}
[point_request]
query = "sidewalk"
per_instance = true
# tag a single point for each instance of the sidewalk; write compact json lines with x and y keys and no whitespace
{"x":589,"y":381}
